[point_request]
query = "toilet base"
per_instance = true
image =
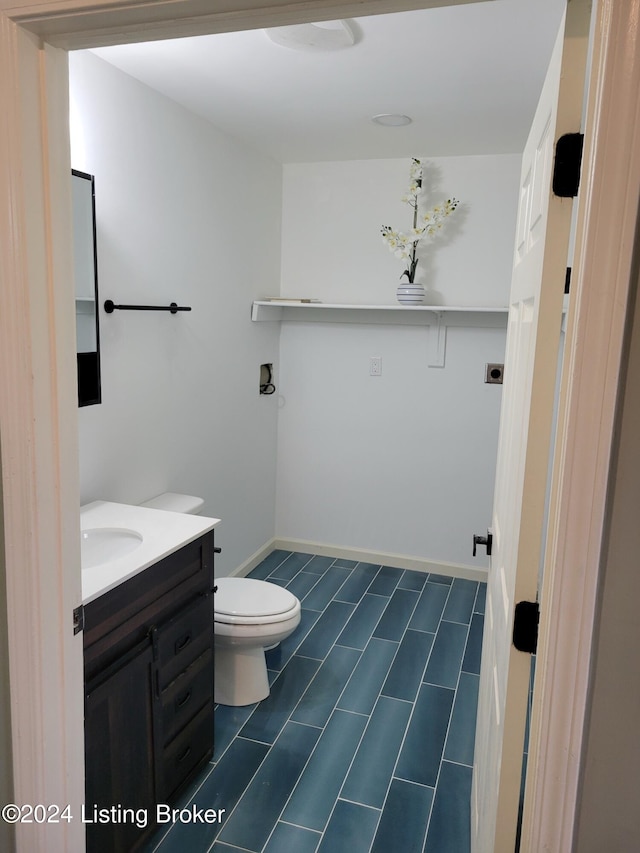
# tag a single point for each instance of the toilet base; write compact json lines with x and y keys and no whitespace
{"x":240,"y":676}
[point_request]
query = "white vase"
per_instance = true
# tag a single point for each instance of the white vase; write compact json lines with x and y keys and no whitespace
{"x":410,"y":294}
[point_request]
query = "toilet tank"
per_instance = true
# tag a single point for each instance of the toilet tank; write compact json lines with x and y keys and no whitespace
{"x":173,"y":502}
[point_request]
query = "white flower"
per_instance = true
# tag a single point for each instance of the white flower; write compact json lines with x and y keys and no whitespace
{"x":404,"y":245}
{"x":415,"y":170}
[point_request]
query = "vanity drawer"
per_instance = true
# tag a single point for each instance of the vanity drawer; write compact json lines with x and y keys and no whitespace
{"x":185,"y":696}
{"x":193,"y":746}
{"x":182,"y":639}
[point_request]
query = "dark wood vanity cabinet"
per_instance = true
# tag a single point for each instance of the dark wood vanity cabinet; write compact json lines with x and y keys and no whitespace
{"x":148,"y":660}
{"x":119,"y":754}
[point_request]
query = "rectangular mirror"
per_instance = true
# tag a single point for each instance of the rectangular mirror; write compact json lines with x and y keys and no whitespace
{"x":86,"y":282}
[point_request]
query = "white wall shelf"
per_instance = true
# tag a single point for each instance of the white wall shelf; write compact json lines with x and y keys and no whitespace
{"x":437,"y":318}
{"x":86,"y":305}
{"x":346,"y":313}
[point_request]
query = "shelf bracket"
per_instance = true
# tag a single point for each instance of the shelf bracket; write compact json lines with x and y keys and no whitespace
{"x":437,"y":343}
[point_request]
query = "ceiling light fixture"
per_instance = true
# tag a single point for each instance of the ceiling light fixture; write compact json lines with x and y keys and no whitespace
{"x":392,"y":120}
{"x":328,"y":35}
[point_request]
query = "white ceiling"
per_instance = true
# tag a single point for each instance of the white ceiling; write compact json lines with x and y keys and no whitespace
{"x":469,"y":76}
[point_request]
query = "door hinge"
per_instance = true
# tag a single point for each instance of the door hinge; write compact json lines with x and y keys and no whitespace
{"x":567,"y":280}
{"x":78,"y":619}
{"x":566,"y":169}
{"x":525,"y":626}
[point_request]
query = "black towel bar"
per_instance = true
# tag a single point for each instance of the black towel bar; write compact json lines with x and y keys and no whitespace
{"x":110,"y":307}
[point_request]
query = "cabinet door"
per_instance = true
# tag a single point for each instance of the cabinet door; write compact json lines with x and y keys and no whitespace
{"x":119,"y":762}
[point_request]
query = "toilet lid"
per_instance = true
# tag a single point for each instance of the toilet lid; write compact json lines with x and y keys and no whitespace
{"x":246,"y":598}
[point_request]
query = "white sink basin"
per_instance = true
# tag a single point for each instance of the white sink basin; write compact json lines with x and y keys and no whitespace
{"x":101,"y":545}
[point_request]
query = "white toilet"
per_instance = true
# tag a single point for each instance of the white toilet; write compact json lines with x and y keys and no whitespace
{"x":249,"y":616}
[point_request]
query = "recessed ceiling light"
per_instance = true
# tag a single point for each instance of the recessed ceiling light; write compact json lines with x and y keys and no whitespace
{"x":391,"y":119}
{"x":328,"y":35}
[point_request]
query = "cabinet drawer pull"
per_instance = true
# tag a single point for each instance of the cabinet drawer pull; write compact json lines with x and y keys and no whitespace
{"x":184,"y":755}
{"x":181,"y":701}
{"x":182,"y":642}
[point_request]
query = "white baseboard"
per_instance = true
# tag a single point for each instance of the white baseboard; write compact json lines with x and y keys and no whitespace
{"x":254,"y":560}
{"x":400,"y":561}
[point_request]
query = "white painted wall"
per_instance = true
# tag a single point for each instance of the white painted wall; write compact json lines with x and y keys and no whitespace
{"x":184,"y":214}
{"x":333,"y":212}
{"x":403,"y":463}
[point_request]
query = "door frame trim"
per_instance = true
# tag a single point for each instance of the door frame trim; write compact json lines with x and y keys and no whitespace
{"x":601,"y":280}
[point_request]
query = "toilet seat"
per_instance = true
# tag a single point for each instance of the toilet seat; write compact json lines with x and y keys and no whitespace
{"x":246,"y":601}
{"x":250,"y":616}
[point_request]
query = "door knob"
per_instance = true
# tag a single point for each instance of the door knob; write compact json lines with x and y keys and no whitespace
{"x":487,"y":541}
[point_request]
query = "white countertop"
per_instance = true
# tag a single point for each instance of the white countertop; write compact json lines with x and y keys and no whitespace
{"x":162,"y":533}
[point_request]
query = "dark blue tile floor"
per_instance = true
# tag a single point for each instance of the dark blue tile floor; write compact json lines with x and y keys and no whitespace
{"x":365,"y":744}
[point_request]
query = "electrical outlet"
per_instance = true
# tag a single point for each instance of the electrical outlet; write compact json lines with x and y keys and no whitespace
{"x":493,"y":374}
{"x":375,"y":365}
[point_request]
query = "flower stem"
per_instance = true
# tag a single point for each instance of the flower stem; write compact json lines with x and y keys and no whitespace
{"x":414,"y":262}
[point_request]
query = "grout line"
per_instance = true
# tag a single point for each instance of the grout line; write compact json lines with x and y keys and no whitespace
{"x":453,"y":622}
{"x":308,"y":657}
{"x":255,"y":739}
{"x":446,"y":737}
{"x":413,"y":782}
{"x":344,"y":780}
{"x":300,"y":826}
{"x":321,"y":729}
{"x":321,"y":578}
{"x":380,"y":694}
{"x":409,"y":721}
{"x":300,"y":775}
{"x":356,"y":803}
{"x":249,"y":783}
{"x":337,"y":708}
{"x":224,"y":751}
{"x":440,"y":621}
{"x":355,"y":714}
{"x":439,"y":686}
{"x":457,"y":763}
{"x":231,"y":847}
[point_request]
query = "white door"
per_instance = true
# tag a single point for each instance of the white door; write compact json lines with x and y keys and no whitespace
{"x":535,"y":313}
